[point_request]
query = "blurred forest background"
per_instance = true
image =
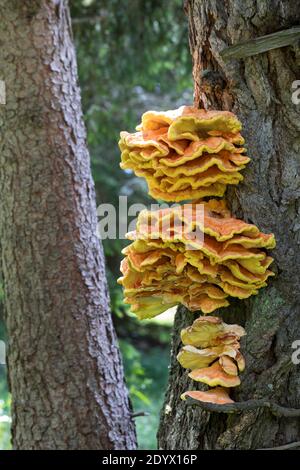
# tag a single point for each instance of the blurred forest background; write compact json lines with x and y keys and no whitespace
{"x":133,"y":55}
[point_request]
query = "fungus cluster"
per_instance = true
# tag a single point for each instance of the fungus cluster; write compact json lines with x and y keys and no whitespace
{"x":179,"y":255}
{"x":212,"y":352}
{"x":185,"y":153}
{"x":176,"y":257}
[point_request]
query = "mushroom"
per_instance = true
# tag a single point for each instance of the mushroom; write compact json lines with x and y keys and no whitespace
{"x":215,"y":375}
{"x":218,"y":395}
{"x":192,"y":358}
{"x":219,"y":360}
{"x":184,"y":118}
{"x":211,"y":331}
{"x":178,"y":257}
{"x":185,"y":154}
{"x":228,"y":365}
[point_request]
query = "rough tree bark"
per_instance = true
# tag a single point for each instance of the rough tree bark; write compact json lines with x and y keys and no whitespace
{"x":258,"y":89}
{"x":65,"y":371}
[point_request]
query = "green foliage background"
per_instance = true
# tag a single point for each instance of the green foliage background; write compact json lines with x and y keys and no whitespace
{"x":132,"y":56}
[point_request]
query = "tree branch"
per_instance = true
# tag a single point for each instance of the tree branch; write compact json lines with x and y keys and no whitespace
{"x":275,"y":409}
{"x":86,"y":19}
{"x":255,"y":46}
{"x":291,"y":445}
{"x":140,"y":413}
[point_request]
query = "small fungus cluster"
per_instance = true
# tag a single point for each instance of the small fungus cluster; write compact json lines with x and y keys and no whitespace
{"x":185,"y":153}
{"x":212,"y":352}
{"x":176,"y":258}
{"x":179,"y":255}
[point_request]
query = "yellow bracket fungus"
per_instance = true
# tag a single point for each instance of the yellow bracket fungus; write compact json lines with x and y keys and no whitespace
{"x":218,"y":362}
{"x":166,"y":264}
{"x":188,"y":154}
{"x":185,"y":154}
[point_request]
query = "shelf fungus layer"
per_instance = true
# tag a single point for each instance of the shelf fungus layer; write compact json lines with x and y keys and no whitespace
{"x":196,"y":255}
{"x":211,"y":353}
{"x":185,"y":154}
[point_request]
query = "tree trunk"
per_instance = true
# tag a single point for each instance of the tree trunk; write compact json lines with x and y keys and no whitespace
{"x":65,"y":371}
{"x":259,"y":90}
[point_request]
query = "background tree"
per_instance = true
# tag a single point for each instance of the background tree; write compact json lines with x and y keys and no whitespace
{"x":258,"y":89}
{"x":126,"y":66}
{"x":132,"y":55}
{"x":65,"y":372}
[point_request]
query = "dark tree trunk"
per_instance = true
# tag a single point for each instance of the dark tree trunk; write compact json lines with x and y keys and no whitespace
{"x":258,"y":89}
{"x":65,"y":371}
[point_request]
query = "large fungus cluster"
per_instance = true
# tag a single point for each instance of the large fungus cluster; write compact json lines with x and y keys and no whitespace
{"x":176,"y":257}
{"x":186,"y":153}
{"x":179,"y":255}
{"x":211,"y":352}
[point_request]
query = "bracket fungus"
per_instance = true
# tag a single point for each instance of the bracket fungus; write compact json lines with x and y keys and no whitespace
{"x":215,"y":375}
{"x":218,"y":363}
{"x":176,"y":257}
{"x":218,"y":395}
{"x":185,"y":154}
